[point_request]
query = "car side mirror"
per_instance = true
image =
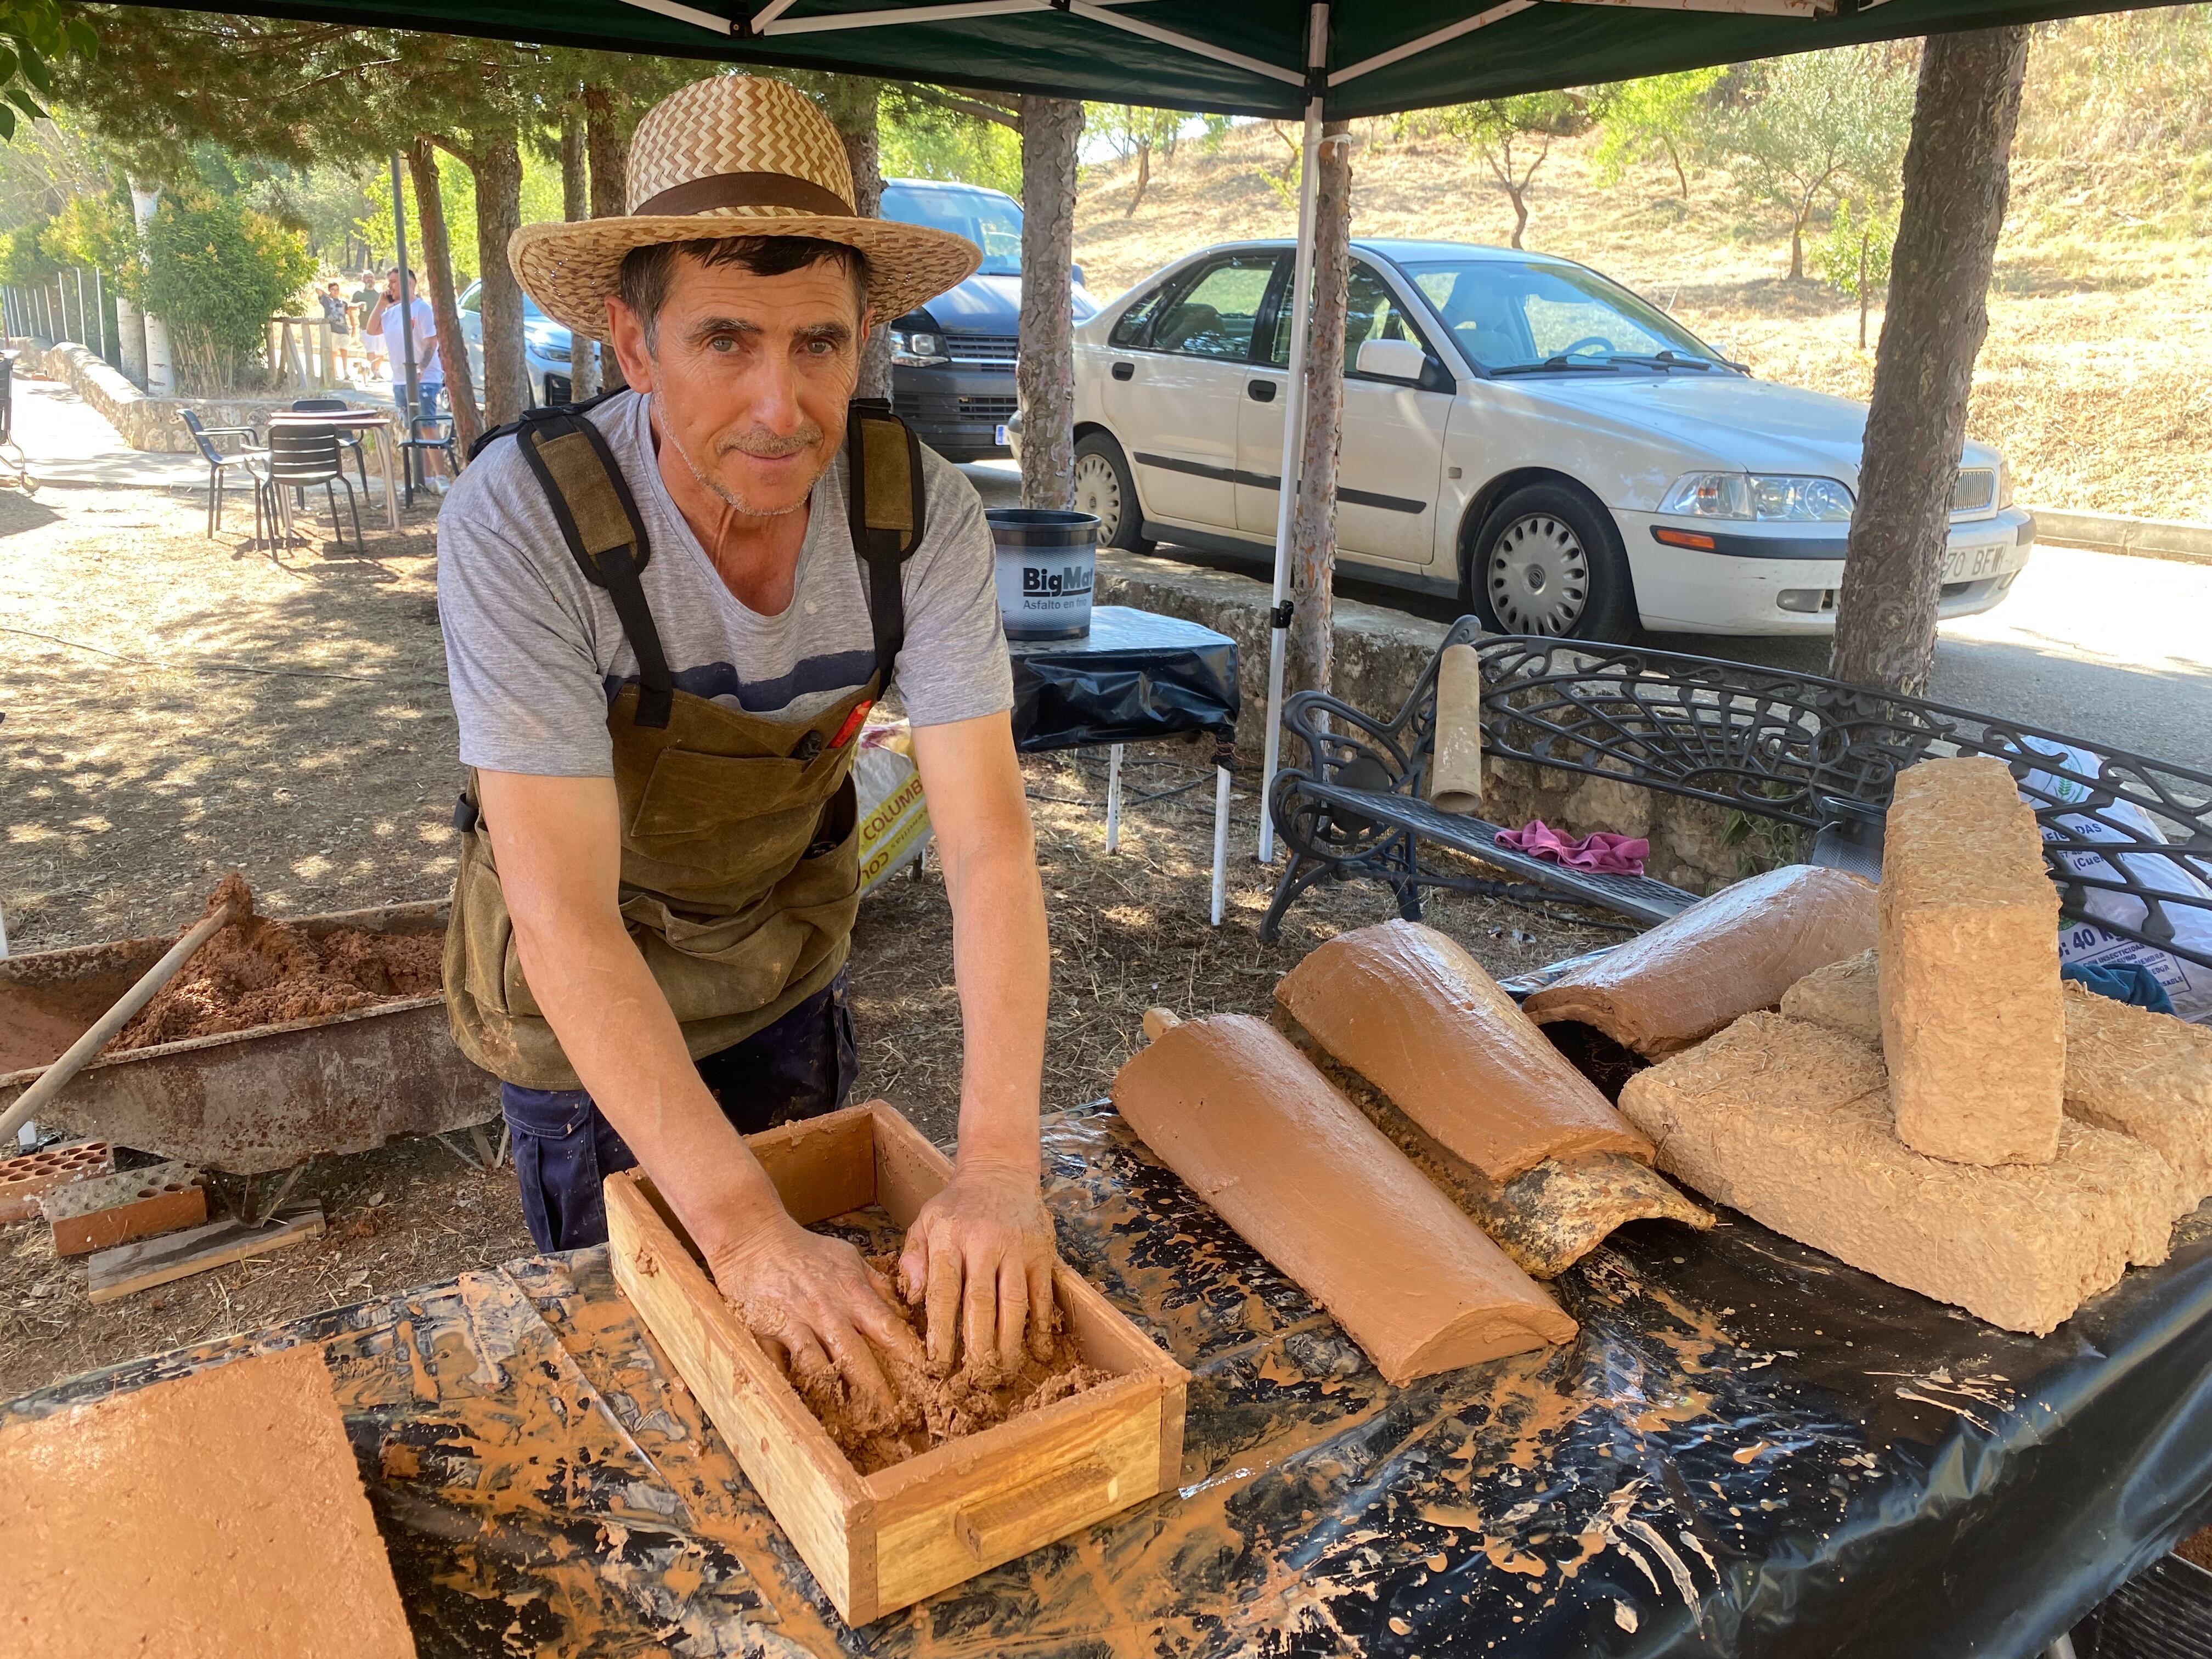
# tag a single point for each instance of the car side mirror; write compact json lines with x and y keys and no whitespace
{"x":1392,"y":360}
{"x":1076,"y":272}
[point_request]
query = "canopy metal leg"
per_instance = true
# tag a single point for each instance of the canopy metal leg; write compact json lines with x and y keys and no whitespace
{"x":1114,"y":799}
{"x":1294,"y":406}
{"x":1220,"y":839}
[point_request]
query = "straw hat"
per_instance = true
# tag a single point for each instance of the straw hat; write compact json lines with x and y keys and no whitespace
{"x":737,"y":156}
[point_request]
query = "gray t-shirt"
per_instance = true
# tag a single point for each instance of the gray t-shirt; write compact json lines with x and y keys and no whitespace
{"x":535,"y":653}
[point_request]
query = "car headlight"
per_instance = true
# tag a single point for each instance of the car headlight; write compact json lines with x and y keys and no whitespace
{"x":917,"y":350}
{"x":1765,"y":495}
{"x":2004,"y":486}
{"x":552,"y":350}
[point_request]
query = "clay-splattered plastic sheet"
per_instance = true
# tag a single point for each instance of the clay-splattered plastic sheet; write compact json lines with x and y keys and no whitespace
{"x":1136,"y":675}
{"x":1749,"y":1448}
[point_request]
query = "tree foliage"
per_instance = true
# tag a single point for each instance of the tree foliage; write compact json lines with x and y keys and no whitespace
{"x":1138,"y":132}
{"x":1658,"y":116}
{"x":34,"y":35}
{"x":1512,"y":136}
{"x":215,"y":271}
{"x":1809,"y":127}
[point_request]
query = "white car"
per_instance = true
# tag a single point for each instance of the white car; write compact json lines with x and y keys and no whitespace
{"x":1520,"y":432}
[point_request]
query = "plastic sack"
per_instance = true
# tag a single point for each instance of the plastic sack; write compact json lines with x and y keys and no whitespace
{"x":894,"y":816}
{"x":2188,"y":983}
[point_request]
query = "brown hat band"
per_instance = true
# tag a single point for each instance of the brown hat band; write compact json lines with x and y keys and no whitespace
{"x":739,"y":190}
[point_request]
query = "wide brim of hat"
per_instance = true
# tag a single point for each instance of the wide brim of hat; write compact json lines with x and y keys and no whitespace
{"x":570,"y":267}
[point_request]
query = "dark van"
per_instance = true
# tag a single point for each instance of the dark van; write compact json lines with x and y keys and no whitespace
{"x":953,"y":359}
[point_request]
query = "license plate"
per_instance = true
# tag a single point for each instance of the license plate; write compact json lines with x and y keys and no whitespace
{"x":1973,"y":564}
{"x":999,"y":432}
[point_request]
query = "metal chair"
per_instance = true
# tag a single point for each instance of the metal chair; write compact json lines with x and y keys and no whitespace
{"x":12,"y":458}
{"x":302,"y":456}
{"x":346,"y":440}
{"x":430,"y":432}
{"x":219,"y":465}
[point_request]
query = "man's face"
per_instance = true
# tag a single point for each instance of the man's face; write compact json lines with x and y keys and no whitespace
{"x":751,"y":376}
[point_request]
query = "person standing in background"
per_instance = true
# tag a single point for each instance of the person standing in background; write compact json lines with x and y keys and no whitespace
{"x":397,"y":322}
{"x":365,"y":300}
{"x":337,"y":315}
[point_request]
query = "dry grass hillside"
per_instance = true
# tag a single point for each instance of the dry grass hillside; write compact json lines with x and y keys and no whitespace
{"x":2096,"y":380}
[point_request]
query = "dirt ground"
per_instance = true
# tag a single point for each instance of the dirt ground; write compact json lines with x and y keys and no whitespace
{"x":177,"y":707}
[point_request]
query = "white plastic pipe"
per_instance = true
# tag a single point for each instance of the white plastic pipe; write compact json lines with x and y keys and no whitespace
{"x":1294,"y":406}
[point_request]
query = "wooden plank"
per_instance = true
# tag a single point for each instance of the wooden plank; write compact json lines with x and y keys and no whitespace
{"x":908,"y":1171}
{"x":822,"y":1166}
{"x":782,"y":1447}
{"x":1015,"y":1487}
{"x":119,"y":1272}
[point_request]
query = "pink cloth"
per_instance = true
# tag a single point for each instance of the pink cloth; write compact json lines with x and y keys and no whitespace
{"x":1604,"y":853}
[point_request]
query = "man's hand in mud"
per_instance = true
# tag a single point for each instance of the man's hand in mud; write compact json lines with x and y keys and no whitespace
{"x":816,"y":1304}
{"x":979,"y":1256}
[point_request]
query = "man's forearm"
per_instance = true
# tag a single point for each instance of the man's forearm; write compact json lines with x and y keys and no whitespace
{"x":615,"y":1027}
{"x":1003,"y":965}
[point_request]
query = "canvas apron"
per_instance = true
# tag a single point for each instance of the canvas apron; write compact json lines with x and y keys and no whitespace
{"x":740,"y":836}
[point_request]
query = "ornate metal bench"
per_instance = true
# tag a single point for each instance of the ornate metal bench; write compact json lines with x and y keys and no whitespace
{"x":1793,"y":747}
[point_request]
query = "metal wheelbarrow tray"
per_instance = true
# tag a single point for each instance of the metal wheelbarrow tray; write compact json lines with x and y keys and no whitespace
{"x":249,"y":1102}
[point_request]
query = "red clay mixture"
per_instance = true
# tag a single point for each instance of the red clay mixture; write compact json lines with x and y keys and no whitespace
{"x":257,"y":972}
{"x":931,"y":1410}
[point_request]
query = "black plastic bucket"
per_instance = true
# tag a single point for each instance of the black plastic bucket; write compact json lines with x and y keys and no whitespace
{"x":1046,"y":561}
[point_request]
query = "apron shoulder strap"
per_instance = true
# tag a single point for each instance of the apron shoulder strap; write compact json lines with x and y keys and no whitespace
{"x":885,"y":499}
{"x":591,"y":502}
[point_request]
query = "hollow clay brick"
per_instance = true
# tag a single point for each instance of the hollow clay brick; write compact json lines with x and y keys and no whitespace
{"x":1234,"y":1108}
{"x":2144,"y":1075}
{"x":1412,"y":1012}
{"x":1970,"y":1022}
{"x":25,"y":1176}
{"x":215,"y":1515}
{"x":1723,"y":956}
{"x":1790,"y":1122}
{"x":111,"y":1210}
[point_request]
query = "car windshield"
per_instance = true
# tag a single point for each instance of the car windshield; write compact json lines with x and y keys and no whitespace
{"x":1525,"y":317}
{"x":987,"y":219}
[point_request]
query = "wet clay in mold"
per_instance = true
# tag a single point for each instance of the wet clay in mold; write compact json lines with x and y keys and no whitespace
{"x":215,"y":1515}
{"x":2144,"y":1075}
{"x":930,"y":1410}
{"x":1231,"y":1106}
{"x":1971,"y":1027}
{"x":260,"y":972}
{"x":1791,"y":1123}
{"x":1723,"y":956}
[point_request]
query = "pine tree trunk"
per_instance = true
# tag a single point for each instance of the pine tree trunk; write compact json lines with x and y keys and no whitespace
{"x":607,"y":144}
{"x":576,"y":203}
{"x":1957,"y":175}
{"x":1051,"y":127}
{"x":497,"y":164}
{"x":437,"y":267}
{"x":575,"y":173}
{"x":1309,"y":653}
{"x":855,"y":102}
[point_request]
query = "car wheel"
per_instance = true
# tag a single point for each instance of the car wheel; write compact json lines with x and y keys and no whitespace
{"x":1103,"y":489}
{"x":1547,"y":561}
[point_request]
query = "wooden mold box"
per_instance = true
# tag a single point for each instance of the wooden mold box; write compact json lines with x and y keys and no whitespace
{"x":884,"y":1541}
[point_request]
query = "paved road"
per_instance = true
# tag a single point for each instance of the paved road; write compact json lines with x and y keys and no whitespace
{"x":2097,"y":646}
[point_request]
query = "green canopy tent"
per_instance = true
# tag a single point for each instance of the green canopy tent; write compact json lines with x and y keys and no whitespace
{"x":1278,"y":58}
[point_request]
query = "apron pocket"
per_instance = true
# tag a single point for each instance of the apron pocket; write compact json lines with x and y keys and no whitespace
{"x":693,"y":796}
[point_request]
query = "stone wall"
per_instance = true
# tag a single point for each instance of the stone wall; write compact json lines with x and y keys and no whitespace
{"x":1380,"y":656}
{"x":147,"y":422}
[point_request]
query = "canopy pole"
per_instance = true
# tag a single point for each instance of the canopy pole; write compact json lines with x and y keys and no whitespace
{"x":1294,"y":409}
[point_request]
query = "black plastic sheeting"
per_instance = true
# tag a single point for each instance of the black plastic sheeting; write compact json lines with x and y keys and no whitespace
{"x":1137,"y":675}
{"x":1748,"y":1449}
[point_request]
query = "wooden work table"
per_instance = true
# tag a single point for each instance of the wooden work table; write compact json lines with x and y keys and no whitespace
{"x":1746,"y":1448}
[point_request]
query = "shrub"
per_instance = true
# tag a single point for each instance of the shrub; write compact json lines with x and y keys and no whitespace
{"x":215,"y":272}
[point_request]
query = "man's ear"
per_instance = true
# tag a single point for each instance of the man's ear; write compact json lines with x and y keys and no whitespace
{"x":626,"y":334}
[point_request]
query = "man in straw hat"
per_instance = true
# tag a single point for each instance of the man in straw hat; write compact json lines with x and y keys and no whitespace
{"x":665,"y":621}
